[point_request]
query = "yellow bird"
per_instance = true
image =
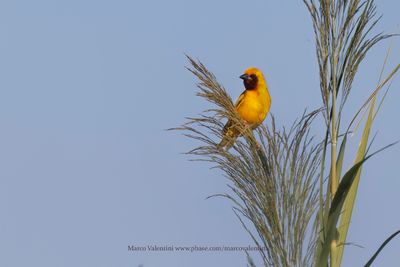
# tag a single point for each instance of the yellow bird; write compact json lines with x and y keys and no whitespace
{"x":252,"y":105}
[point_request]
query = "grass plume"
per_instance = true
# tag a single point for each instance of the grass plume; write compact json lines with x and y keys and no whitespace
{"x":273,"y":174}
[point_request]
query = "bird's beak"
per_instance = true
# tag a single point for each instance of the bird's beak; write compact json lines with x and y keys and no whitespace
{"x":245,"y":77}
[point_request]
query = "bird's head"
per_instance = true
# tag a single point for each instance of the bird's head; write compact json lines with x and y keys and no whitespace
{"x":252,"y":77}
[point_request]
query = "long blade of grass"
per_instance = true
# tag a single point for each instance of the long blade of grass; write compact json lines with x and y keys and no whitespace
{"x":380,"y":249}
{"x":339,"y":163}
{"x":351,"y":197}
{"x":373,"y":95}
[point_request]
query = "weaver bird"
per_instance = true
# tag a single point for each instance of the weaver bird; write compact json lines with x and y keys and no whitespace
{"x":252,"y":106}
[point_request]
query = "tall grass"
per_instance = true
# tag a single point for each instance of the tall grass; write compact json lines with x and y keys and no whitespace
{"x":289,"y":189}
{"x":343,"y":36}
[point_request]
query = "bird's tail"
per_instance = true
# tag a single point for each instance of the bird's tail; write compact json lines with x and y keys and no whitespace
{"x":229,"y":136}
{"x":226,"y":143}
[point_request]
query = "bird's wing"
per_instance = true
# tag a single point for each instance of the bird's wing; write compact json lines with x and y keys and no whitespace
{"x":229,"y":124}
{"x":240,"y":99}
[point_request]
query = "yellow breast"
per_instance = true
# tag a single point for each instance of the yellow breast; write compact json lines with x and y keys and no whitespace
{"x":253,"y":106}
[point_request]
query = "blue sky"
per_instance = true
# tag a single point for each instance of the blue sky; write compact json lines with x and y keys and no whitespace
{"x":87,"y":91}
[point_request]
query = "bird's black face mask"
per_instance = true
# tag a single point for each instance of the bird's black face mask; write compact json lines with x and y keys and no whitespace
{"x":249,"y":81}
